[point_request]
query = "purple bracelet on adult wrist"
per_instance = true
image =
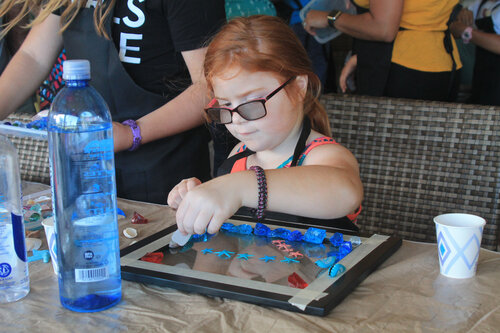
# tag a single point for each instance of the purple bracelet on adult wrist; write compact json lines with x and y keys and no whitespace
{"x":262,"y":202}
{"x":136,"y":132}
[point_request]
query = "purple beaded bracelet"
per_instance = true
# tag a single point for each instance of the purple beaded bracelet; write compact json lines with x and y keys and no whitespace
{"x":136,"y":133}
{"x":261,"y":180}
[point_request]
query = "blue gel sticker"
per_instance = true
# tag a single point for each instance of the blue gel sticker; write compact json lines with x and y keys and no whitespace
{"x":261,"y":230}
{"x":337,"y":239}
{"x":336,"y":270}
{"x":314,"y":235}
{"x":280,"y":233}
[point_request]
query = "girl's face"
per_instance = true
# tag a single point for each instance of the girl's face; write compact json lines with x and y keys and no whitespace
{"x":279,"y":127}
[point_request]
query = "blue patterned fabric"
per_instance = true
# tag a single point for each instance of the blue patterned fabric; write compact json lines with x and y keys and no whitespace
{"x":245,"y":8}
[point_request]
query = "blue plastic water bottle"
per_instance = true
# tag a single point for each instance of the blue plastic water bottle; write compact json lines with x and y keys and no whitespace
{"x":84,"y":191}
{"x":14,"y":278}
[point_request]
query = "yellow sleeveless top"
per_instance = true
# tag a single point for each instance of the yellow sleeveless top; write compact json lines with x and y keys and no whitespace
{"x":421,"y":46}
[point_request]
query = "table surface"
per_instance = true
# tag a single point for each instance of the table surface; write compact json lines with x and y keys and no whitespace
{"x":406,"y":293}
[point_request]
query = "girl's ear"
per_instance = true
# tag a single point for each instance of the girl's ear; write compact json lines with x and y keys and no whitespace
{"x":301,"y":84}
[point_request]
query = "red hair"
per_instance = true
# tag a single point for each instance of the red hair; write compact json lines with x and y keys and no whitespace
{"x":267,"y":44}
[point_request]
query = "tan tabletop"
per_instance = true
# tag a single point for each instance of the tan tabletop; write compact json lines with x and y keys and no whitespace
{"x":406,"y":293}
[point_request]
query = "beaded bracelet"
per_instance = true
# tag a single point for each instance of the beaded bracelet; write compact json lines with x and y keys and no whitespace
{"x":261,"y":180}
{"x":136,"y":132}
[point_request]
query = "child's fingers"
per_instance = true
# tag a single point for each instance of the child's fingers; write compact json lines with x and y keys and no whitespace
{"x":192,"y":183}
{"x":215,"y":223}
{"x":179,"y":217}
{"x":172,"y":199}
{"x":182,"y":188}
{"x":188,"y":218}
{"x":201,"y":221}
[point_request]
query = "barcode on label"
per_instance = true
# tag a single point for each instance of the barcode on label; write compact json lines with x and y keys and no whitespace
{"x":91,"y":274}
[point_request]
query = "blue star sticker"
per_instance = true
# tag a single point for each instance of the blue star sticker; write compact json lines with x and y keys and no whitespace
{"x":289,"y":260}
{"x":205,"y":251}
{"x":224,"y":254}
{"x":268,"y":258}
{"x":244,"y":256}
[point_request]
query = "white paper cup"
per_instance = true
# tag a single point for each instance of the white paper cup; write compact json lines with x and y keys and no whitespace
{"x":48,"y":225}
{"x":458,"y":241}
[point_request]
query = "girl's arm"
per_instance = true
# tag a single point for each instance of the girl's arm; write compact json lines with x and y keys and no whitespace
{"x":327,"y":186}
{"x":381,"y":23}
{"x":182,"y":113}
{"x":30,"y":65}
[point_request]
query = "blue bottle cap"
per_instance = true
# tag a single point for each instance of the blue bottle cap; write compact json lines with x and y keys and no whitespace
{"x":76,"y":70}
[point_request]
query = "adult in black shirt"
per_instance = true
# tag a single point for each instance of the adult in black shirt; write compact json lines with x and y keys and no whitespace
{"x":152,"y":62}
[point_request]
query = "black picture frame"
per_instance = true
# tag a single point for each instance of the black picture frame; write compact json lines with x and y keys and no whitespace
{"x":380,"y":249}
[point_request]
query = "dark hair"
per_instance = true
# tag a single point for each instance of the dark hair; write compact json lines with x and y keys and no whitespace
{"x":266,"y":43}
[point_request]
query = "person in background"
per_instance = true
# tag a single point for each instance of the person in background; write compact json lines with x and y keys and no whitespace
{"x":266,"y":94}
{"x":11,"y":40}
{"x":403,"y":48}
{"x":144,"y":56}
{"x":317,"y":52}
{"x":480,"y":25}
{"x":51,"y":86}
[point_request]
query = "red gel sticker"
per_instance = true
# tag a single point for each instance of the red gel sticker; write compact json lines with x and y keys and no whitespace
{"x":155,"y":257}
{"x":139,"y":219}
{"x":295,"y":281}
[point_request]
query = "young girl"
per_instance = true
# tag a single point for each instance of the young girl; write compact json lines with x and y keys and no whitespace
{"x":267,"y":96}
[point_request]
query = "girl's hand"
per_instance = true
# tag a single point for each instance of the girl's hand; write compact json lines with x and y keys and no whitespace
{"x":349,"y":68}
{"x":207,"y":206}
{"x":180,"y":190}
{"x":315,"y":19}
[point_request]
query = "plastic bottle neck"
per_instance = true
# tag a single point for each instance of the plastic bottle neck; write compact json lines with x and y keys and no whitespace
{"x":77,"y":83}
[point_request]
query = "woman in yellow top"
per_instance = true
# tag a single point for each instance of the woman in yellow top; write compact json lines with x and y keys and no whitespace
{"x":400,"y":47}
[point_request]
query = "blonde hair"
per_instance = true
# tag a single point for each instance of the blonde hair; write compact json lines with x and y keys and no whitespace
{"x":266,"y":43}
{"x":45,"y":8}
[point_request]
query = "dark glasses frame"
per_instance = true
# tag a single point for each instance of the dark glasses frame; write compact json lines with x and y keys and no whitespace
{"x":210,"y":105}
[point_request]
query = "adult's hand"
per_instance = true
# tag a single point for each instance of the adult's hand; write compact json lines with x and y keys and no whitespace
{"x":348,"y":70}
{"x":457,"y":28}
{"x":315,"y":19}
{"x":466,"y":17}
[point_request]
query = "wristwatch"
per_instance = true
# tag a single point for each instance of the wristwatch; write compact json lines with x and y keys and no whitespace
{"x":333,"y":16}
{"x":136,"y":132}
{"x":467,"y":35}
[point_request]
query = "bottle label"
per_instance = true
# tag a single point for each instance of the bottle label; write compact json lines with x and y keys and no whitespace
{"x":92,"y":274}
{"x":19,"y":241}
{"x":85,"y":209}
{"x":11,"y":233}
{"x":5,"y":270}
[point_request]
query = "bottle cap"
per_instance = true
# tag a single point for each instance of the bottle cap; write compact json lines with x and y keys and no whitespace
{"x":76,"y":70}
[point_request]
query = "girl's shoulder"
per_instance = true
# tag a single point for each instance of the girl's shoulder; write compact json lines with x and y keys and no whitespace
{"x":317,"y":139}
{"x":321,"y":149}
